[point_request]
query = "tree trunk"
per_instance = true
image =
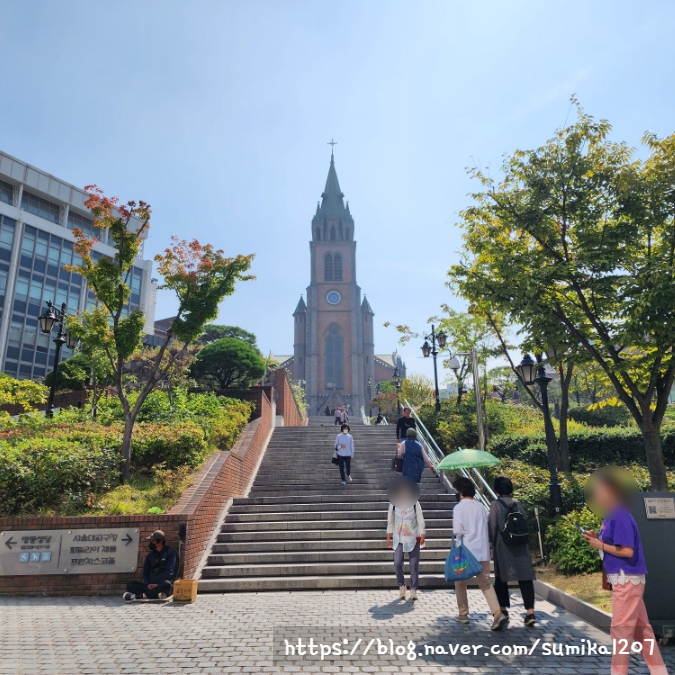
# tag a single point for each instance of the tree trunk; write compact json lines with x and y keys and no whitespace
{"x":563,"y":443}
{"x":651,"y":434}
{"x":126,"y":445}
{"x":460,"y":391}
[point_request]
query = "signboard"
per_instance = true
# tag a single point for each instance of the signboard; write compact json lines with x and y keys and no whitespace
{"x":659,"y":508}
{"x":92,"y":551}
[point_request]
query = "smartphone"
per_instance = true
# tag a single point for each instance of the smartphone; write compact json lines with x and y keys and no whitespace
{"x":581,"y":529}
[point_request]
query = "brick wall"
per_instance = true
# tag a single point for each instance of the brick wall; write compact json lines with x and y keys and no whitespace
{"x":224,"y":476}
{"x":287,"y":406}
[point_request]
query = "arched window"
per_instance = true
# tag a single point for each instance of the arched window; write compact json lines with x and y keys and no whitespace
{"x":328,"y":267}
{"x":334,"y":369}
{"x":340,"y":233}
{"x":347,"y":234}
{"x":332,"y":233}
{"x":318,"y":234}
{"x":337,"y":268}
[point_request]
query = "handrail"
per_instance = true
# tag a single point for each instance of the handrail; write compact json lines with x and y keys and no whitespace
{"x":436,"y":455}
{"x":364,"y":418}
{"x":384,"y":421}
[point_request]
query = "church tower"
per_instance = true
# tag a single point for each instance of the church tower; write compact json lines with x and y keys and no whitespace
{"x":333,"y":344}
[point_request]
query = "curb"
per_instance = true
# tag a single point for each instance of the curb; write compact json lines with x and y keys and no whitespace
{"x":596,"y":617}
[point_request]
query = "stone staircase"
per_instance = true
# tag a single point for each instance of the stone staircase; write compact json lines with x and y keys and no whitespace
{"x":300,"y":528}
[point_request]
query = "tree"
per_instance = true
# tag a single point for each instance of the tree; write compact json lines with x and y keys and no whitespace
{"x":78,"y":371}
{"x":590,"y":384}
{"x":25,"y":393}
{"x":228,"y":362}
{"x":503,"y":381}
{"x":199,"y":275}
{"x":417,"y":390}
{"x":581,"y":234}
{"x":213,"y":332}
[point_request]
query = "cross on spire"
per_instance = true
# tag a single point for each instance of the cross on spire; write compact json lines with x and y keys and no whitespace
{"x":332,"y":143}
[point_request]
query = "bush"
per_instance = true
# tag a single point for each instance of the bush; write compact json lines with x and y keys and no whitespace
{"x":38,"y":473}
{"x":566,"y":546}
{"x":589,"y":447}
{"x":607,"y":416}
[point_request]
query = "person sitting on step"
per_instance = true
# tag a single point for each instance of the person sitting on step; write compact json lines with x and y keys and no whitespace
{"x":159,"y":572}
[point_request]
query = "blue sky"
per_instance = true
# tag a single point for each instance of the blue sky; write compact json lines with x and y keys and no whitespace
{"x":218,"y":114}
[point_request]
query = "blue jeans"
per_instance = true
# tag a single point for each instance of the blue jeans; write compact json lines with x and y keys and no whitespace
{"x":414,"y":558}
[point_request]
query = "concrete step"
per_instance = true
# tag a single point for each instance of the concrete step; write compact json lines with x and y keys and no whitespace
{"x":306,"y":557}
{"x":335,"y":507}
{"x":322,"y":516}
{"x":319,"y":525}
{"x":320,"y":545}
{"x":343,"y":497}
{"x":317,"y":535}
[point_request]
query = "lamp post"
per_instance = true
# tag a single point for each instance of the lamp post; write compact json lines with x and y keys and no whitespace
{"x":370,"y":396}
{"x":430,"y":349}
{"x":532,"y":372}
{"x":55,"y":316}
{"x":378,"y":390}
{"x":397,"y":383}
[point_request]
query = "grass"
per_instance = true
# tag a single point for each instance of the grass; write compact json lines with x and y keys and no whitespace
{"x":586,"y":587}
{"x":145,"y":494}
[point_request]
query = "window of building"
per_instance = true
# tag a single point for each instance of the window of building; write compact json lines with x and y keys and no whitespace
{"x":328,"y":267}
{"x":332,"y":233}
{"x":6,"y":193}
{"x":337,"y":267}
{"x":40,"y":207}
{"x":334,"y":371}
{"x":82,"y":223}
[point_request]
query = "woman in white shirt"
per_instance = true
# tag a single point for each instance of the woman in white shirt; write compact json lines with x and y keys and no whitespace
{"x":408,"y":530}
{"x":344,"y":447}
{"x":469,"y":519}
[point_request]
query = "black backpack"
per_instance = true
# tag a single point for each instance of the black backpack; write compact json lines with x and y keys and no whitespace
{"x":515,"y":530}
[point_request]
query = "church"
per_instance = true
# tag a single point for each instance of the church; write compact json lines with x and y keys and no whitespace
{"x":334,"y":350}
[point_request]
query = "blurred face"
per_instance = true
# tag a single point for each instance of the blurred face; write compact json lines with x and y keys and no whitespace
{"x":605,"y":496}
{"x":406,"y":412}
{"x":403,"y":492}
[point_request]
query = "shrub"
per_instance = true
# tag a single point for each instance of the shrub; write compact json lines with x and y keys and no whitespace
{"x":590,"y":447}
{"x":607,"y":416}
{"x":39,"y":473}
{"x":566,"y":545}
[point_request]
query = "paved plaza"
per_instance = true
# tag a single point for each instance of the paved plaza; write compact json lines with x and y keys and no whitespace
{"x":245,"y":633}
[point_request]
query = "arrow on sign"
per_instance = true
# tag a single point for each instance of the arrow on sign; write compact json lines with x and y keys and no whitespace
{"x":10,"y":542}
{"x":127,"y":540}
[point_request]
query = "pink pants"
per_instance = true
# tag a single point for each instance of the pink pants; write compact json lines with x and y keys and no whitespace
{"x":630,"y":624}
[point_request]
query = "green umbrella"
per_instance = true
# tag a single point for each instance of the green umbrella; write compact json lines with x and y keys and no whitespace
{"x":468,"y":459}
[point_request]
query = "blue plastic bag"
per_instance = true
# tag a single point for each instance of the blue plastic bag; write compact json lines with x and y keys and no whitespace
{"x":461,"y":564}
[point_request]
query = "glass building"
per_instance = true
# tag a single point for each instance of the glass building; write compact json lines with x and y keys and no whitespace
{"x":37,"y":215}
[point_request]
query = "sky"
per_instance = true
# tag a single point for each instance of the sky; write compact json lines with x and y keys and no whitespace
{"x":218,"y":114}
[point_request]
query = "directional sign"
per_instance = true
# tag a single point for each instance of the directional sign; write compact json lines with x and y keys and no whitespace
{"x":92,"y":551}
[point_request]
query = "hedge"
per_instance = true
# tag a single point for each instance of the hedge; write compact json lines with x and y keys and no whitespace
{"x":591,"y":447}
{"x":569,"y":551}
{"x":608,"y":416}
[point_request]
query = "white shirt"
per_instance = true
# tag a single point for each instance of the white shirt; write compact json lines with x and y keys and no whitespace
{"x":470,"y":519}
{"x":344,"y":444}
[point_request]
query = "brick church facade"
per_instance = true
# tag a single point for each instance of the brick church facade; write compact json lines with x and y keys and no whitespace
{"x":334,"y":350}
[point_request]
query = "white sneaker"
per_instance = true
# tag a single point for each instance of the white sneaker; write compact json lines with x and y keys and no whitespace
{"x":413,"y":594}
{"x":349,"y":479}
{"x":401,"y":592}
{"x":129,"y":596}
{"x":343,"y":482}
{"x":162,"y":596}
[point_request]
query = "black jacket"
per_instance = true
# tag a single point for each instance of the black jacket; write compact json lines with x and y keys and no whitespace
{"x":160,"y":566}
{"x":403,"y":424}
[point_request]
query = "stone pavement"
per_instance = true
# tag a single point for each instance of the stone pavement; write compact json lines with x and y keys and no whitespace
{"x":242,"y":632}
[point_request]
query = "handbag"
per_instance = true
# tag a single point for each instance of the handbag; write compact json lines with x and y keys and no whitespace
{"x":397,"y":464}
{"x":461,"y":564}
{"x":606,"y":586}
{"x":334,"y":460}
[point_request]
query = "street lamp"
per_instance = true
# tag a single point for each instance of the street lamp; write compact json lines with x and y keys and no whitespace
{"x":397,"y":383}
{"x":370,"y":396}
{"x":54,"y":316}
{"x":530,"y":373}
{"x":430,"y":349}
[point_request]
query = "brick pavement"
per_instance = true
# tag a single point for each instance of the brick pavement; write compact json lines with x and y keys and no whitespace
{"x":234,"y":633}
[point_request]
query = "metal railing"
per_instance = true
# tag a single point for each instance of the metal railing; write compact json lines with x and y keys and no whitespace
{"x":436,"y":455}
{"x":364,"y":418}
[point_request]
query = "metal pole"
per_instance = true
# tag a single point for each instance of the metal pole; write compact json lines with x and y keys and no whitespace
{"x":551,"y":444}
{"x":479,"y":400}
{"x":434,"y":353}
{"x":59,"y":341}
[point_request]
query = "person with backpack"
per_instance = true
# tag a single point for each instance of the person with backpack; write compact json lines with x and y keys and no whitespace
{"x":469,"y":521}
{"x":509,"y":534}
{"x":414,"y":457}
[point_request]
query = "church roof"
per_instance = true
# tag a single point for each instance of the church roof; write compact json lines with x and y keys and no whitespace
{"x":332,"y":198}
{"x":365,"y":306}
{"x":301,"y":308}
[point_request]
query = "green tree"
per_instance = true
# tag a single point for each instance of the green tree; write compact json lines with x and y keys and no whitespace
{"x":228,"y":362}
{"x":503,"y":381}
{"x":199,"y":275}
{"x":213,"y":332}
{"x":77,"y":372}
{"x":25,"y":393}
{"x":417,"y":390}
{"x":581,"y":234}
